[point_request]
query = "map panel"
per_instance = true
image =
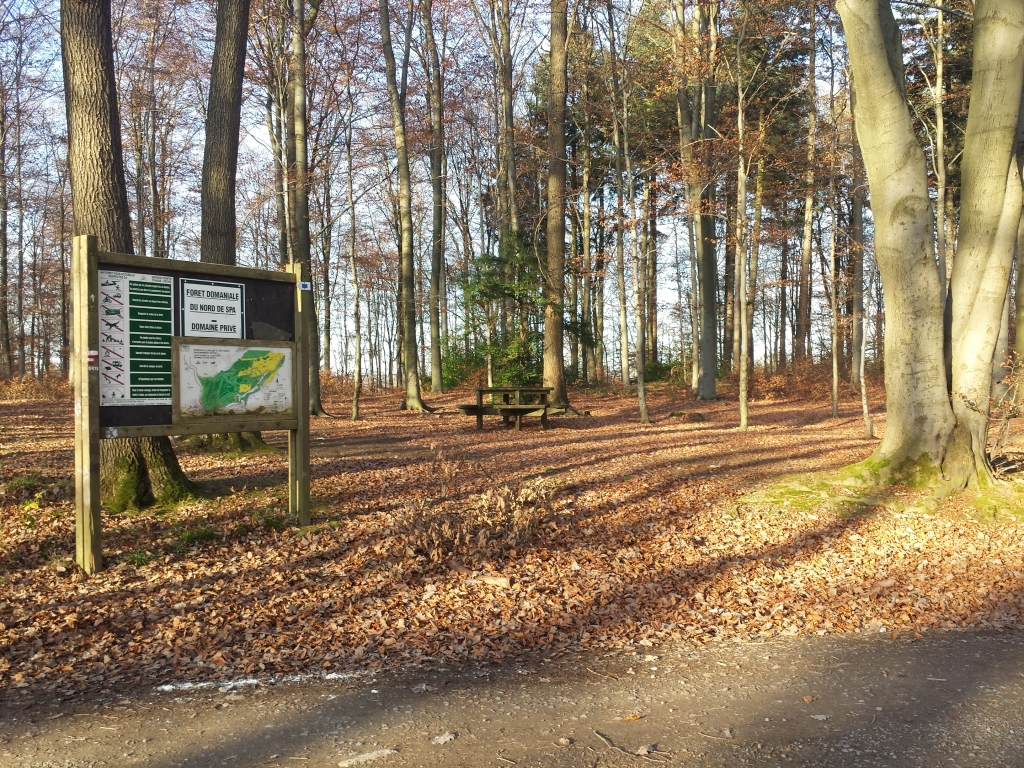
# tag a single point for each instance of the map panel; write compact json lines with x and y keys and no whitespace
{"x":225,"y":379}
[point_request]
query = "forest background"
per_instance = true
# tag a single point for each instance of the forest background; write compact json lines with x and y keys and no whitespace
{"x":671,"y":109}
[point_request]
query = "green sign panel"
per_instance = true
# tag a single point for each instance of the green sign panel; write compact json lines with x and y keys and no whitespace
{"x":136,"y":326}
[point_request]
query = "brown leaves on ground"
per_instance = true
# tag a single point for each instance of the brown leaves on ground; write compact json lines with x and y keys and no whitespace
{"x":433,"y":541}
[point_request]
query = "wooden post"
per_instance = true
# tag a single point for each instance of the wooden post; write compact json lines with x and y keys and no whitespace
{"x":85,"y":369}
{"x":298,"y":439}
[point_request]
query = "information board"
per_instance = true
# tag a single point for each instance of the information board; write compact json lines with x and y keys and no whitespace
{"x":164,"y":347}
{"x":233,"y":379}
{"x":136,"y":325}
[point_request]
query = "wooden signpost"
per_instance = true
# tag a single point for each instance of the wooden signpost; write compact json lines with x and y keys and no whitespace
{"x":167,"y":347}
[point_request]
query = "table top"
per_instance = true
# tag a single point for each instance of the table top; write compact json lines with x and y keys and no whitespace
{"x":514,"y":389}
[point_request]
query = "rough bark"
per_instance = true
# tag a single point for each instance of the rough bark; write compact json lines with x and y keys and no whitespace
{"x":223,"y":123}
{"x":100,"y":201}
{"x":218,"y":228}
{"x":554,"y":276}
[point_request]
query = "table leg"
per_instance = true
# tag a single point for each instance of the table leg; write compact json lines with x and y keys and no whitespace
{"x":519,"y":421}
{"x":504,"y":399}
{"x":479,"y":410}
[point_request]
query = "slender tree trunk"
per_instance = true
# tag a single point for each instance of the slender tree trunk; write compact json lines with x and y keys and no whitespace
{"x":220,"y":155}
{"x":1018,"y":295}
{"x":436,"y":97}
{"x":696,"y":118}
{"x":651,"y":292}
{"x":694,"y":308}
{"x":802,"y":340}
{"x":357,"y":366}
{"x":638,"y":271}
{"x":751,"y":279}
{"x":741,"y":277}
{"x":590,"y":342}
{"x":554,"y":279}
{"x":869,"y":429}
{"x":938,"y":89}
{"x":300,"y":190}
{"x":5,"y":329}
{"x":857,"y":257}
{"x":407,"y":304}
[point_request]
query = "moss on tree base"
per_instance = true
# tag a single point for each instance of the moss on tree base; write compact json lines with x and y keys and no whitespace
{"x":136,"y":473}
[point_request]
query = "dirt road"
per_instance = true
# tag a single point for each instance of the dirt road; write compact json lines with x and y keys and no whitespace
{"x":949,"y":699}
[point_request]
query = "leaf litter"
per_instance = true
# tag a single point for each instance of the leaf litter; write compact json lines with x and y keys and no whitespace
{"x":435,"y":543}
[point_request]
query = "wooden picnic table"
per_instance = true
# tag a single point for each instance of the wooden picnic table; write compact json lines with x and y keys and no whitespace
{"x":516,"y":402}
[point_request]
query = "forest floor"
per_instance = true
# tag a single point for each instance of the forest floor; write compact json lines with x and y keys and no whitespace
{"x":446,"y":559}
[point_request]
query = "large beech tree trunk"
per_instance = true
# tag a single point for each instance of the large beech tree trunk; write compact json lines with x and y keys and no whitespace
{"x":920,"y":419}
{"x":138,"y":471}
{"x":928,"y":426}
{"x":990,"y":209}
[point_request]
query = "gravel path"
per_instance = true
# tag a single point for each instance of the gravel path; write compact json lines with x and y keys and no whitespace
{"x":947,"y":699}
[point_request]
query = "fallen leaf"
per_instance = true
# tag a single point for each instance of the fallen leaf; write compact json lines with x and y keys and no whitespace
{"x":366,"y":757}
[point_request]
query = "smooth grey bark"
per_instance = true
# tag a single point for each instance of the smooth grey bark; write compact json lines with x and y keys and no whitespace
{"x":620,"y":254}
{"x":435,"y":93}
{"x":5,"y":331}
{"x":357,"y":315}
{"x":857,"y":257}
{"x":990,"y":210}
{"x":590,"y":363}
{"x":924,"y":426}
{"x":639,"y":272}
{"x":407,"y":303}
{"x":920,"y":418}
{"x":554,"y":274}
{"x":299,"y":143}
{"x":696,"y":118}
{"x":802,"y":339}
{"x":1018,"y":294}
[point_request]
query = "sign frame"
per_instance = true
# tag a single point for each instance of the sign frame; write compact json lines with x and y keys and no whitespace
{"x":86,"y":261}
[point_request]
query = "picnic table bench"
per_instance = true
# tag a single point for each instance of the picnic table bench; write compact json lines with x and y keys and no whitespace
{"x":515,"y":403}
